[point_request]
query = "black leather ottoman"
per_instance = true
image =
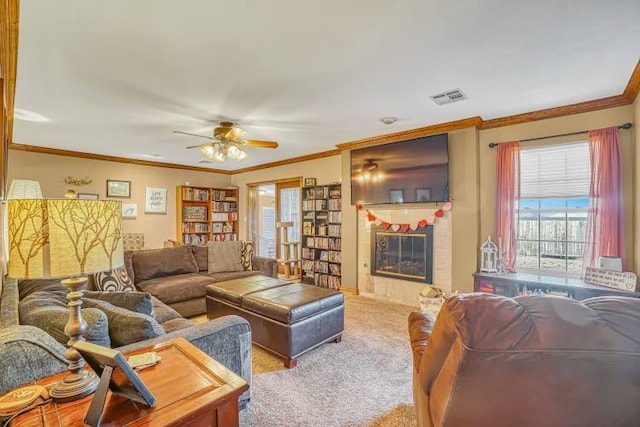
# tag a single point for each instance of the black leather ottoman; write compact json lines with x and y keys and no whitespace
{"x":286,"y":320}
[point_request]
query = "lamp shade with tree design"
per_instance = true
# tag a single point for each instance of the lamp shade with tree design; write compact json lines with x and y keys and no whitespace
{"x":68,"y":239}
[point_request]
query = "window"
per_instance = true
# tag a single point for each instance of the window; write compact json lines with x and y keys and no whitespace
{"x":551,"y":215}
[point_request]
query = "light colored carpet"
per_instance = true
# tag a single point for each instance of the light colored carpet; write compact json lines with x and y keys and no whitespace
{"x":363,"y":381}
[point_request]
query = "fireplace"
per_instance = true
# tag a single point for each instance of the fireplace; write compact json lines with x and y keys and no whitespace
{"x":402,"y":255}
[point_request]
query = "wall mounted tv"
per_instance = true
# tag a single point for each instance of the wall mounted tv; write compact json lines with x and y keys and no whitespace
{"x":412,"y":171}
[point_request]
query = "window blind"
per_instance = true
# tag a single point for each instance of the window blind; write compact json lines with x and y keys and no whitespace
{"x":559,"y":170}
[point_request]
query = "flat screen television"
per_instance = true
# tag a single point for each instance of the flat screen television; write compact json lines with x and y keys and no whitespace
{"x":411,"y":171}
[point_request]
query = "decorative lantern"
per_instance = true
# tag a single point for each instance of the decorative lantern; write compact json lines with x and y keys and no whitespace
{"x":489,"y":257}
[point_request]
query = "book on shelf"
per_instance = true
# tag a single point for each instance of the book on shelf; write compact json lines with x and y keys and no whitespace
{"x":335,"y":230}
{"x":224,"y":206}
{"x":307,"y":265}
{"x":322,"y":230}
{"x":195,"y":239}
{"x":335,"y":204}
{"x":195,"y":227}
{"x":308,"y":253}
{"x":195,"y":194}
{"x":321,"y":192}
{"x":334,"y":269}
{"x":334,"y":256}
{"x":324,"y":255}
{"x":224,"y":237}
{"x":335,"y":217}
{"x":309,"y":193}
{"x":307,"y":228}
{"x":224,"y":195}
{"x":321,"y":205}
{"x":335,"y":243}
{"x":321,"y":266}
{"x":224,"y":216}
{"x":308,"y":205}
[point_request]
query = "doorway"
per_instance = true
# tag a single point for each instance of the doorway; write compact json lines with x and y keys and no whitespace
{"x":270,"y":203}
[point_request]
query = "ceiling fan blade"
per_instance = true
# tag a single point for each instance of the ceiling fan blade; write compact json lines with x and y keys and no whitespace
{"x":262,"y":144}
{"x":235,"y":133}
{"x":198,"y":146}
{"x":194,"y":134}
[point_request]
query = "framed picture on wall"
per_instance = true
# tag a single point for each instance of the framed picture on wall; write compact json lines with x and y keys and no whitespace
{"x":309,"y":182}
{"x":155,"y":200}
{"x":119,"y":189}
{"x":88,"y":196}
{"x":423,"y":194}
{"x":396,"y":196}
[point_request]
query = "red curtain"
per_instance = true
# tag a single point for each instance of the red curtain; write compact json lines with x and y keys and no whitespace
{"x":605,"y":222}
{"x":507,"y":193}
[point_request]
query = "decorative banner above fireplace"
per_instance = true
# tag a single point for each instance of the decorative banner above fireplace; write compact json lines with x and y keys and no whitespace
{"x":402,"y":255}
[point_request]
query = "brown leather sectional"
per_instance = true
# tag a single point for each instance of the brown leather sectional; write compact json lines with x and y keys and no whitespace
{"x":287,"y":319}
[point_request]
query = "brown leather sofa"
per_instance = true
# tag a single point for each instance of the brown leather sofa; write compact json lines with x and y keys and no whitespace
{"x":527,"y":361}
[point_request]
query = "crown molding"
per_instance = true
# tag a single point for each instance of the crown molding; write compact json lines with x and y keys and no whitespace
{"x":633,"y":87}
{"x":550,"y":113}
{"x":413,"y":133}
{"x":82,"y":155}
{"x":304,"y":158}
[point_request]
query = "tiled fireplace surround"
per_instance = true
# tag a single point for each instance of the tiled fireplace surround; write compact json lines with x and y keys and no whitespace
{"x":403,"y":291}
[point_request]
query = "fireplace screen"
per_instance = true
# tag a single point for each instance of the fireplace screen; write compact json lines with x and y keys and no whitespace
{"x":407,"y":256}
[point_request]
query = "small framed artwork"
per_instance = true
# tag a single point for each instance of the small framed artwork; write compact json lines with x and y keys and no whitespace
{"x":423,"y":194}
{"x":155,"y":200}
{"x":396,"y":196}
{"x":120,"y":189}
{"x":309,"y":182}
{"x":88,"y":196}
{"x":129,"y":210}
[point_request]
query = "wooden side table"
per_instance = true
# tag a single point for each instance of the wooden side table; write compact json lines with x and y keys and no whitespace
{"x":191,"y":389}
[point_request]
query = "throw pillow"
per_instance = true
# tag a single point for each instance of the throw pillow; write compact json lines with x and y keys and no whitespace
{"x":114,"y":280}
{"x":28,"y":286}
{"x":153,"y":263}
{"x":126,"y":326}
{"x":140,"y":302}
{"x":224,"y":256}
{"x":49,"y":312}
{"x":246,"y":248}
{"x":201,"y":254}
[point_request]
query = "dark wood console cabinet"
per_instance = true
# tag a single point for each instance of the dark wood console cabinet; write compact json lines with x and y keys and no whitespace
{"x":515,"y":284}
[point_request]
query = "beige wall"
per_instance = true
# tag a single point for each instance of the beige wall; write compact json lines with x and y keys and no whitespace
{"x":52,"y":170}
{"x":560,"y":125}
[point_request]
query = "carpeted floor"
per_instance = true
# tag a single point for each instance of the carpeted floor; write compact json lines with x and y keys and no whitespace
{"x":363,"y":381}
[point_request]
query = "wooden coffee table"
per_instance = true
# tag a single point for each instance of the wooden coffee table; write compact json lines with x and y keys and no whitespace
{"x":190,"y":388}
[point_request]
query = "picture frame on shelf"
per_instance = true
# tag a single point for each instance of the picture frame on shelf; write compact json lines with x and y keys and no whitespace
{"x":118,"y":189}
{"x":396,"y":196}
{"x":88,"y":196}
{"x":155,"y":200}
{"x":423,"y":194}
{"x":309,"y":182}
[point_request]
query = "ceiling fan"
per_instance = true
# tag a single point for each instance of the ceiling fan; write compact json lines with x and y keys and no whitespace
{"x":227,"y":142}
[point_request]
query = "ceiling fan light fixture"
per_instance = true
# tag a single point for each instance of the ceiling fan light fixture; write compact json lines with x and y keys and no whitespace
{"x":233,"y":152}
{"x":243,"y":155}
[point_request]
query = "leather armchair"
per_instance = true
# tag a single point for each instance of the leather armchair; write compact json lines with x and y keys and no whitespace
{"x":545,"y":361}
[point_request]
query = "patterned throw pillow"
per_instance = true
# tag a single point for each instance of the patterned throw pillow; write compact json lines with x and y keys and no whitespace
{"x":246,"y":250}
{"x":114,"y":280}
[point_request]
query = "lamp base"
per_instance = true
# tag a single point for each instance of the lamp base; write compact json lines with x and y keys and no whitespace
{"x":74,"y":386}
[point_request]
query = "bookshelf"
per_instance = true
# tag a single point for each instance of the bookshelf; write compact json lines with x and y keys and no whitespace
{"x":322,"y":235}
{"x":205,"y":214}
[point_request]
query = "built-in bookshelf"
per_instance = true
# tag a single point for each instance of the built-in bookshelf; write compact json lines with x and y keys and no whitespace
{"x":322,"y":235}
{"x":206,"y":214}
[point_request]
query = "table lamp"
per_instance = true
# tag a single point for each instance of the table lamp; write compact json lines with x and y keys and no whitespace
{"x":68,"y":239}
{"x":24,"y":189}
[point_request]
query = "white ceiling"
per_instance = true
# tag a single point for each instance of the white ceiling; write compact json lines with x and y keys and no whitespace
{"x":117,"y":77}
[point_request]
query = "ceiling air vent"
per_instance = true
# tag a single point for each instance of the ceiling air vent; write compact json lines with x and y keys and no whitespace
{"x":448,"y":97}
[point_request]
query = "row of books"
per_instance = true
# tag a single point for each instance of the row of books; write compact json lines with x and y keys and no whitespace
{"x":327,"y":281}
{"x":195,"y":239}
{"x":195,"y":194}
{"x":224,"y":206}
{"x":195,"y":227}
{"x":335,"y":204}
{"x":224,"y":216}
{"x":332,"y":230}
{"x":223,"y":195}
{"x":226,"y":237}
{"x":318,"y":242}
{"x":335,"y":217}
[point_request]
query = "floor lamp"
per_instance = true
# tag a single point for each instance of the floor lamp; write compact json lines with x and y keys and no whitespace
{"x":68,"y":239}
